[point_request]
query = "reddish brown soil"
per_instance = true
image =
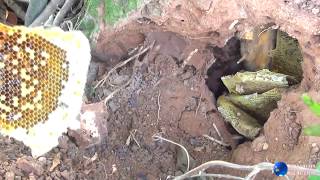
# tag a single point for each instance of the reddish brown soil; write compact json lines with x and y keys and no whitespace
{"x":167,"y":94}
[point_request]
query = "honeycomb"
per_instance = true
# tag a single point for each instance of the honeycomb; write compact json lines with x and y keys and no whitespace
{"x":32,"y":72}
{"x":43,"y":73}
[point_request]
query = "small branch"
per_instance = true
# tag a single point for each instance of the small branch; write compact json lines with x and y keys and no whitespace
{"x":132,"y":134}
{"x":63,"y":12}
{"x":45,"y":14}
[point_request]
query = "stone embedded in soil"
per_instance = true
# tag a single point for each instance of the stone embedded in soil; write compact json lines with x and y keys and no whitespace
{"x":30,"y":165}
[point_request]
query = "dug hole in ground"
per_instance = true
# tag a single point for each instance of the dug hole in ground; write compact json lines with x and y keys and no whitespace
{"x":159,"y":61}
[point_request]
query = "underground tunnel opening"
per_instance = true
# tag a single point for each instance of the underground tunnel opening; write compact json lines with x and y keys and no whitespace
{"x":249,"y":74}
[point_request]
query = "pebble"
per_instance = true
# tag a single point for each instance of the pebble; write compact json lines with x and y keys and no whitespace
{"x":265,"y":146}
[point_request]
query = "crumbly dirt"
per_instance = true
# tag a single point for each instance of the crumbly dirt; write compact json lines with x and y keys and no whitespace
{"x":164,"y":91}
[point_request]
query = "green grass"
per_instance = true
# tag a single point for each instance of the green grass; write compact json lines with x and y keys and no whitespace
{"x":313,"y":130}
{"x":114,"y":10}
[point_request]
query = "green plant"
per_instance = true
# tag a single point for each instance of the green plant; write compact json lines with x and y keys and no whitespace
{"x":313,"y":130}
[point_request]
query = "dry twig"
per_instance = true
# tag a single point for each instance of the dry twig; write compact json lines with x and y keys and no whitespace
{"x":185,"y":62}
{"x":215,"y":140}
{"x":159,"y":107}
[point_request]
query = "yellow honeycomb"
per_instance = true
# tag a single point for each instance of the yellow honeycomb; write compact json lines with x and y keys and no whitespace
{"x":42,"y":78}
{"x":32,"y":70}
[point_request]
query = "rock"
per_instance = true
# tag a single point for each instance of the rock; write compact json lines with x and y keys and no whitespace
{"x":265,"y":146}
{"x":29,"y":165}
{"x":9,"y":176}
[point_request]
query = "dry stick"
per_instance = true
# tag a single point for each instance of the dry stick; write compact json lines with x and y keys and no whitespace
{"x":158,"y":137}
{"x":102,"y":81}
{"x":63,"y":12}
{"x":133,"y":137}
{"x":159,"y":106}
{"x":16,"y":8}
{"x":185,"y":62}
{"x":116,"y":85}
{"x":45,"y":14}
{"x":217,"y":130}
{"x":215,"y":140}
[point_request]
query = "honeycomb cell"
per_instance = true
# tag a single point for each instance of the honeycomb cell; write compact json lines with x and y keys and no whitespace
{"x":29,"y":65}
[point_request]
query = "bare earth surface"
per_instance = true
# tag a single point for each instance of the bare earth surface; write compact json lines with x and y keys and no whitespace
{"x":162,"y":90}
